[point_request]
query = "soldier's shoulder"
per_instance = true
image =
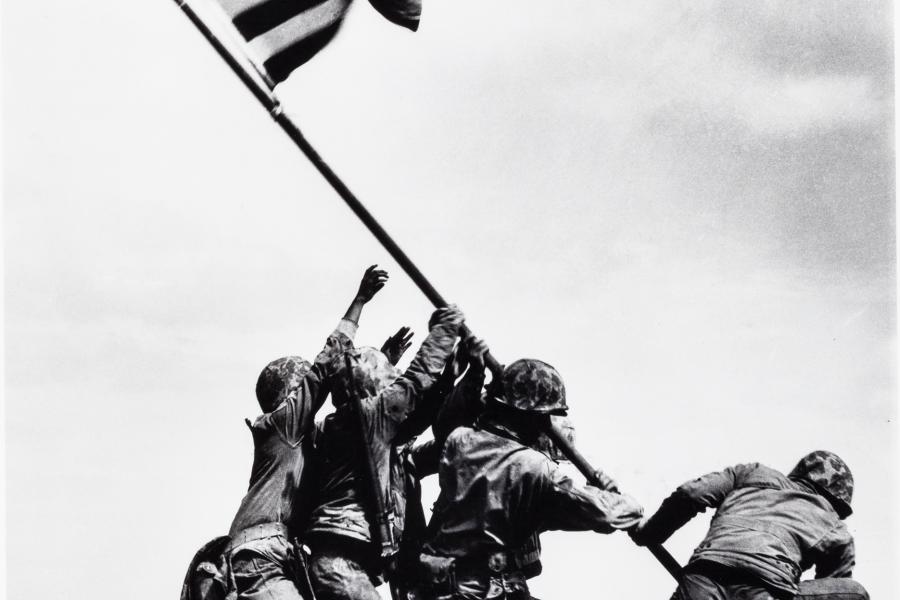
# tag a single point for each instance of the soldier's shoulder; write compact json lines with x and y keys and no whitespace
{"x":759,"y":475}
{"x":461,"y":435}
{"x":533,"y":460}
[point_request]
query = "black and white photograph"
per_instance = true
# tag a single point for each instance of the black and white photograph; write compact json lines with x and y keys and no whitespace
{"x":449,"y":300}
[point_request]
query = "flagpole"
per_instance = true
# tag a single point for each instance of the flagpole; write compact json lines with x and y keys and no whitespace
{"x":270,"y":102}
{"x":263,"y":94}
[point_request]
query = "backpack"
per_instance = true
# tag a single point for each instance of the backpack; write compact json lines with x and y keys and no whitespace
{"x":209,"y":575}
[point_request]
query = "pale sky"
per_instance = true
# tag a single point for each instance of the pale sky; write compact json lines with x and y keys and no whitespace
{"x":688,"y":208}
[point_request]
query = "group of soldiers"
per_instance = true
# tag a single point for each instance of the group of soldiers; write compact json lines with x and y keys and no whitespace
{"x":334,"y":508}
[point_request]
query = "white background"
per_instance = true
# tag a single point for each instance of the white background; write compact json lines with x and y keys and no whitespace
{"x":686,"y":207}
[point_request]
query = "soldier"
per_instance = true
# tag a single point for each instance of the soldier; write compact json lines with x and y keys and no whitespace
{"x":346,"y":560}
{"x":257,"y":557}
{"x":498,"y":491}
{"x":768,"y":529}
{"x":462,"y":407}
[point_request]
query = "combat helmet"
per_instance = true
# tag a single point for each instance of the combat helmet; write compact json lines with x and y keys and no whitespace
{"x":278,"y":380}
{"x":533,"y":386}
{"x":371,"y":373}
{"x":830,"y":475}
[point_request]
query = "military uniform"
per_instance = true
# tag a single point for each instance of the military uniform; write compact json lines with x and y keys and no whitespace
{"x":768,"y":529}
{"x":461,"y":408}
{"x":345,"y":562}
{"x":259,"y":561}
{"x":498,"y":492}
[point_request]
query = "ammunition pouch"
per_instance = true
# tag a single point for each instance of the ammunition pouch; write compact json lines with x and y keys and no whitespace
{"x":209,"y":574}
{"x":496,"y":576}
{"x":438,"y":576}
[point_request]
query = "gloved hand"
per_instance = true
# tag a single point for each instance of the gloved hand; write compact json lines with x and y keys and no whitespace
{"x":475,"y":349}
{"x":605,"y":481}
{"x":449,"y":316}
{"x":470,"y":352}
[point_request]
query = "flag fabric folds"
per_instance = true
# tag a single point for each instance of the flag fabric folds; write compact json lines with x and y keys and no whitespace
{"x":284,"y":34}
{"x":405,"y":13}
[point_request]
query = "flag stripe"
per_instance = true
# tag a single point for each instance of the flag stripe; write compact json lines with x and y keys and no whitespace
{"x":280,"y":65}
{"x":260,"y":18}
{"x":295,"y":31}
{"x":235,"y":7}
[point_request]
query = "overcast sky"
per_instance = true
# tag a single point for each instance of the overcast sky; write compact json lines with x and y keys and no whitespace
{"x":685,"y":207}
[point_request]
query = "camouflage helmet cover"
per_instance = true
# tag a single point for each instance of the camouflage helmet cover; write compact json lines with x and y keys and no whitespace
{"x":831,"y":475}
{"x":278,"y":380}
{"x":532,"y":385}
{"x":372,"y":373}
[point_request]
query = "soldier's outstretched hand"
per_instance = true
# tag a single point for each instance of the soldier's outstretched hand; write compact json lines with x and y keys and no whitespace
{"x":448,"y":316}
{"x":397,"y":344}
{"x":372,"y":281}
{"x":606,"y":482}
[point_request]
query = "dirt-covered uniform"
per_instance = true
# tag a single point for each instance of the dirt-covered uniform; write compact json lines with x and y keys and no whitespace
{"x":258,"y":560}
{"x":461,"y":408}
{"x":345,"y":560}
{"x":498,"y":491}
{"x":768,"y":529}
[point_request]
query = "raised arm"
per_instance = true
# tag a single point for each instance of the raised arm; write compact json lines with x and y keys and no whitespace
{"x":396,"y":345}
{"x":464,"y":402}
{"x":328,"y":363}
{"x":401,"y":398}
{"x":442,"y":406}
{"x":372,"y":281}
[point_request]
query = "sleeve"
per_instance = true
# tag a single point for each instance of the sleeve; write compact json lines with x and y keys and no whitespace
{"x":433,"y":398}
{"x":401,"y":398}
{"x":688,"y":500}
{"x":462,"y":406}
{"x":568,"y":506}
{"x":425,"y":457}
{"x":299,"y":410}
{"x":835,"y":554}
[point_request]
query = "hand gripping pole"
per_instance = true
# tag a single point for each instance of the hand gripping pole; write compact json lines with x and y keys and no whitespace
{"x":662,"y":555}
{"x":253,"y":79}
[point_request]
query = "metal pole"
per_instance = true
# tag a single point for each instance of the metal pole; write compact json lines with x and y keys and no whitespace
{"x":662,"y":555}
{"x":271,"y":103}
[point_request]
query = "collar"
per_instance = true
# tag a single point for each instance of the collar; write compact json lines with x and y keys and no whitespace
{"x":490,"y":425}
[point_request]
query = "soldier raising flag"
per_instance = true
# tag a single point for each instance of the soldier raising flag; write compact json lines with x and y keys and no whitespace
{"x":257,"y":559}
{"x":498,"y":490}
{"x":359,"y":516}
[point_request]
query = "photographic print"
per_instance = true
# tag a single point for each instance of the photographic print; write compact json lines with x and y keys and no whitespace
{"x":445,"y":300}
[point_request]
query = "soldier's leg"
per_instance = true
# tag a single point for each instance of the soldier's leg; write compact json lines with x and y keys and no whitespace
{"x":337,"y":577}
{"x":836,"y":588}
{"x":264,"y":570}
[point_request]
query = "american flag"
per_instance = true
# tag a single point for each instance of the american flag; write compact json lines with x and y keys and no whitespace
{"x":284,"y":34}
